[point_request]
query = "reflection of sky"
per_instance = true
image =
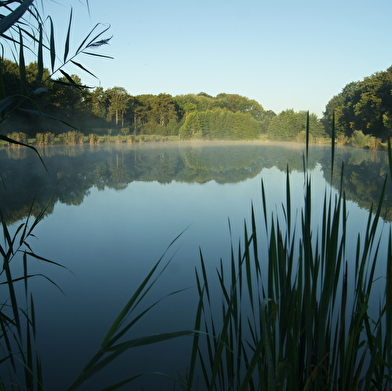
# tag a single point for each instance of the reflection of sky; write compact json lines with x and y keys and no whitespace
{"x":113,"y":238}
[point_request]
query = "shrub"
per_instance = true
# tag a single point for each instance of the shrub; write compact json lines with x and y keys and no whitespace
{"x":94,"y":138}
{"x":301,"y":137}
{"x":360,"y":140}
{"x":342,"y":139}
{"x":72,"y":137}
{"x":375,"y":144}
{"x":45,"y":138}
{"x":19,"y":137}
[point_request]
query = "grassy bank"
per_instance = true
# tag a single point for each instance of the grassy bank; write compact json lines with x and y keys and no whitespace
{"x":290,"y":310}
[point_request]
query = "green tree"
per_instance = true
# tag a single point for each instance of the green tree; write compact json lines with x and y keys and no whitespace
{"x":235,"y":102}
{"x":221,"y":124}
{"x":163,"y":109}
{"x":98,"y":101}
{"x":288,"y":124}
{"x":364,"y":106}
{"x":66,"y":96}
{"x":117,"y":97}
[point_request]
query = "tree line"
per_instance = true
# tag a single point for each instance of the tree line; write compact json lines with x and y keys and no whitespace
{"x":363,"y":107}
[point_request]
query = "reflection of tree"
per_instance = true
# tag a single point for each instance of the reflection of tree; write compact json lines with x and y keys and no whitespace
{"x":72,"y":171}
{"x":363,"y":179}
{"x":118,"y":174}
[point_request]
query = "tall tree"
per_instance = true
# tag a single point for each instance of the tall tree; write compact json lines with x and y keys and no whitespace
{"x":288,"y":124}
{"x":118,"y":97}
{"x":363,"y":106}
{"x":163,"y":109}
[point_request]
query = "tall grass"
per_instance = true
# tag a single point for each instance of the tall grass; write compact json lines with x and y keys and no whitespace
{"x":290,"y":310}
{"x":17,"y":315}
{"x":20,"y":363}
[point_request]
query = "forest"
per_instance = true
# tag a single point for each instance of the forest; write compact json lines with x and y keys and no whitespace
{"x":362,"y":111}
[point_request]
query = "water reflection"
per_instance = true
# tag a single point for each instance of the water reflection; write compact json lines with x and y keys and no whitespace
{"x":113,"y":209}
{"x":74,"y":170}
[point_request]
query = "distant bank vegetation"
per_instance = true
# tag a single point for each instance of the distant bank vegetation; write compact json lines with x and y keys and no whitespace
{"x":363,"y":114}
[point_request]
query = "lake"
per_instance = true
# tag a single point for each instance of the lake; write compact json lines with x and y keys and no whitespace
{"x":113,"y":209}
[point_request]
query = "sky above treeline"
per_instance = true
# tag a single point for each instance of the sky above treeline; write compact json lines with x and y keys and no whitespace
{"x":285,"y":54}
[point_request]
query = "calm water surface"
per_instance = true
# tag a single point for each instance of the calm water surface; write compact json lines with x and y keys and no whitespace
{"x":112,"y":210}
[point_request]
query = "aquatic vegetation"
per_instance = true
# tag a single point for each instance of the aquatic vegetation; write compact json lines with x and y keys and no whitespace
{"x":289,"y":310}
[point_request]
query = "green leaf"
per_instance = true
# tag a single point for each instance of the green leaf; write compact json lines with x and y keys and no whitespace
{"x":84,"y":45}
{"x":120,"y":384}
{"x":4,"y":103}
{"x":40,"y":61}
{"x":66,"y":48}
{"x":9,"y":140}
{"x":52,"y":45}
{"x":14,"y":16}
{"x":83,"y":68}
{"x":22,"y":65}
{"x":68,"y":77}
{"x":70,"y":84}
{"x":97,"y":55}
{"x":2,"y":87}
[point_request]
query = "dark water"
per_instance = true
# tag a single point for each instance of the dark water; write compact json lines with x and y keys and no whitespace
{"x":112,"y":210}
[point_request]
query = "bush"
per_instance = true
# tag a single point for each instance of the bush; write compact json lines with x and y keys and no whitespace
{"x":375,"y":144}
{"x":19,"y":137}
{"x":360,"y":140}
{"x":301,"y":137}
{"x":72,"y":138}
{"x":131,"y":138}
{"x":94,"y":138}
{"x":342,"y":139}
{"x":45,"y":138}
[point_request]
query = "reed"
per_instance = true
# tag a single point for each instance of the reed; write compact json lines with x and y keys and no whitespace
{"x":17,"y":315}
{"x":289,"y":310}
{"x":20,"y":362}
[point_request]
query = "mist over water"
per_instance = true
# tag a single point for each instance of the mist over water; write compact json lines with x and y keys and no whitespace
{"x":112,"y":210}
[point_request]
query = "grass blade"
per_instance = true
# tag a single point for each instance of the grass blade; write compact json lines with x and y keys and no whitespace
{"x":12,"y":18}
{"x":22,"y":65}
{"x":40,"y":59}
{"x":67,"y":40}
{"x":52,"y":48}
{"x":83,"y":68}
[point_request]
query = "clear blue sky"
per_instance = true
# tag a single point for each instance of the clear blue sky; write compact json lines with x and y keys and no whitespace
{"x":283,"y":53}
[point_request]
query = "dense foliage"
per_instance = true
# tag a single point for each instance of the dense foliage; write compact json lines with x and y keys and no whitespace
{"x":362,"y":110}
{"x":290,"y":125}
{"x":191,"y":116}
{"x":364,"y":106}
